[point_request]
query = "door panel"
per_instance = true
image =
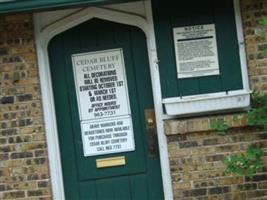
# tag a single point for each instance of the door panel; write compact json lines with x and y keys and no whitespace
{"x":89,"y":163}
{"x":140,"y":177}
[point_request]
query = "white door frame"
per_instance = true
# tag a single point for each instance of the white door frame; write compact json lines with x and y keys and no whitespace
{"x":45,"y":34}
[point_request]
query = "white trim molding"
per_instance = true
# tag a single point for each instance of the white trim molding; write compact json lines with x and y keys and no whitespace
{"x":49,"y":115}
{"x":241,"y":43}
{"x":45,"y":34}
{"x":207,"y":103}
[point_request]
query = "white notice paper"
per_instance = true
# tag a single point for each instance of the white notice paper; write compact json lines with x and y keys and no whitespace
{"x":107,"y":136}
{"x":100,"y":84}
{"x":196,"y":51}
{"x":102,"y":95}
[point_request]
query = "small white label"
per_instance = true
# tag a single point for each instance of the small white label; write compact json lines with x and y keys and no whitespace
{"x":103,"y":101}
{"x":196,"y":51}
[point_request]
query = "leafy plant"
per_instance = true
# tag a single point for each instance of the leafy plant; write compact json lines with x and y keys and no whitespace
{"x":263,"y":21}
{"x":246,"y":164}
{"x":251,"y":161}
{"x":220,"y":126}
{"x":261,"y":30}
{"x":257,"y":115}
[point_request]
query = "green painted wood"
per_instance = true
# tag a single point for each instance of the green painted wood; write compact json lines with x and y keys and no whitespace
{"x":62,"y":106}
{"x":210,"y":84}
{"x":221,"y":13}
{"x":146,"y":102}
{"x":121,"y":34}
{"x":114,"y":182}
{"x":104,"y":189}
{"x":89,"y":34}
{"x":38,"y":5}
{"x":71,"y":46}
{"x":140,"y":191}
{"x":122,"y":188}
{"x":88,"y":190}
{"x":227,"y":39}
{"x":165,"y":54}
{"x":104,"y":38}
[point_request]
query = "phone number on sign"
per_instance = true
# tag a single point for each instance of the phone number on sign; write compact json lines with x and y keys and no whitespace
{"x":105,"y":114}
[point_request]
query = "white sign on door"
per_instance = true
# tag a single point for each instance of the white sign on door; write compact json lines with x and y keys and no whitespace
{"x":196,"y":51}
{"x":101,"y":89}
{"x":100,"y":84}
{"x":107,"y":136}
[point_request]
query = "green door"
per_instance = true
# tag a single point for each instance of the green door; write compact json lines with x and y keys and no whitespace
{"x":102,"y":92}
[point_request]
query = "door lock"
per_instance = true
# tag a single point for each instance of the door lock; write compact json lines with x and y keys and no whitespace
{"x":150,"y":122}
{"x":151,"y":131}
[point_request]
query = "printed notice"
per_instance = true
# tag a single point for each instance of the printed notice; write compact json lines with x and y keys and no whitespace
{"x":103,"y":102}
{"x":107,"y":136}
{"x":100,"y":84}
{"x":196,"y":51}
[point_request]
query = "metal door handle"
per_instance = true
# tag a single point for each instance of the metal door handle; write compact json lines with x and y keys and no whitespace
{"x":151,"y":132}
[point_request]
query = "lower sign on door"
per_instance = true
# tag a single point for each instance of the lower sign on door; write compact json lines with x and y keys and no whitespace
{"x":107,"y":136}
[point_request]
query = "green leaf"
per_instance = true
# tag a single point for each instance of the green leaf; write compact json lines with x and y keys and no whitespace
{"x":263,"y":21}
{"x":220,"y":126}
{"x":257,"y":115}
{"x":246,"y":164}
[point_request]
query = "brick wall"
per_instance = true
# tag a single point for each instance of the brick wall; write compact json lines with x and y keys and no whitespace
{"x":196,"y":151}
{"x":24,"y":172}
{"x":252,"y":11}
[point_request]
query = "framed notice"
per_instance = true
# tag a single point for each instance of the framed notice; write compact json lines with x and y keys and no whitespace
{"x":196,"y":51}
{"x":102,"y":96}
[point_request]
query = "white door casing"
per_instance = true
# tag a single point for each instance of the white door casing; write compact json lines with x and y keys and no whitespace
{"x":44,"y":34}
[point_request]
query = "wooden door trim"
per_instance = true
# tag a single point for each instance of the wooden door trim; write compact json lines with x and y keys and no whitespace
{"x":45,"y":33}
